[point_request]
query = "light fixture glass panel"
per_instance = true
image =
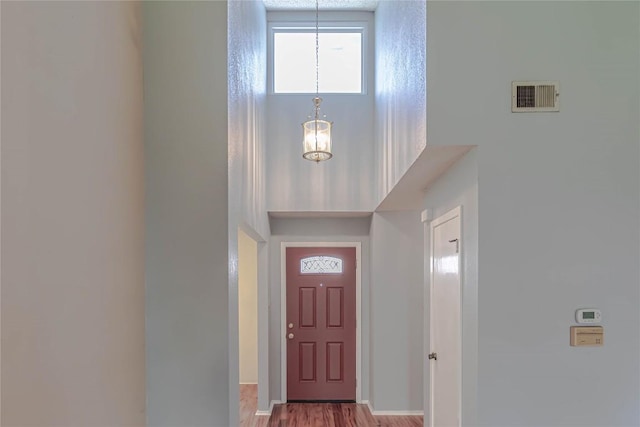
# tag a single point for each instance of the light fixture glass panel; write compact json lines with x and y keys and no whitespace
{"x":316,"y":144}
{"x":340,"y":58}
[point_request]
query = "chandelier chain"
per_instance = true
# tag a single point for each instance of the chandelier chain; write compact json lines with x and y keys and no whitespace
{"x":316,"y":136}
{"x":317,"y":50}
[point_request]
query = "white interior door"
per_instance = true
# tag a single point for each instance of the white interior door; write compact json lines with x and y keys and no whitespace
{"x":445,"y":334}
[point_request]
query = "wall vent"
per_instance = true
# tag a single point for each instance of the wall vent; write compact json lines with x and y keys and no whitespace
{"x":535,"y":97}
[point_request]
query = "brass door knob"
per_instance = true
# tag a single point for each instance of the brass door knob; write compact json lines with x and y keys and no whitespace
{"x":290,"y":336}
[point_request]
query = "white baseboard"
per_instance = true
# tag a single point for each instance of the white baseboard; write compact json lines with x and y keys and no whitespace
{"x":391,"y":413}
{"x":248,"y":383}
{"x":398,"y":413}
{"x":270,"y":410}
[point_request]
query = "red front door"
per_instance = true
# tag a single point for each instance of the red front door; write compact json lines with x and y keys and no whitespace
{"x":321,"y":324}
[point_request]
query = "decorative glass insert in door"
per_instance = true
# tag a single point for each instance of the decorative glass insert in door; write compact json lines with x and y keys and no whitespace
{"x":321,"y":265}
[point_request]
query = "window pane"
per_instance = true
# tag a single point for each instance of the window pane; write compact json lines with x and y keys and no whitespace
{"x":320,"y":265}
{"x":340,"y":60}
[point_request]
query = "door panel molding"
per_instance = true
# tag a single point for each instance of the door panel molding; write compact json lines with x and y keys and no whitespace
{"x":283,"y":309}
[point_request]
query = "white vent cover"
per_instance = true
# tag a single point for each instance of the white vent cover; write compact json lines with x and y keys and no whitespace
{"x":534,"y":97}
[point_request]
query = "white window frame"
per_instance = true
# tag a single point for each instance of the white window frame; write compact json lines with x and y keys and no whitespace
{"x":328,"y":26}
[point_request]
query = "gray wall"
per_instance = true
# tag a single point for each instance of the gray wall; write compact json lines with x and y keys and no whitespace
{"x":247,"y":77}
{"x":458,"y":187}
{"x":400,"y":103}
{"x":396,"y":296}
{"x":396,"y":307}
{"x":558,"y":200}
{"x":344,"y":183}
{"x":185,"y":87}
{"x":72,"y":215}
{"x":247,"y":110}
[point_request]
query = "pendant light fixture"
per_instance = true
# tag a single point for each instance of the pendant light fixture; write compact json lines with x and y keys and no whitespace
{"x":316,"y":132}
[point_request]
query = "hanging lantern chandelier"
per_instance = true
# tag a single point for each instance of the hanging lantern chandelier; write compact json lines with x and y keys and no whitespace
{"x":316,"y":132}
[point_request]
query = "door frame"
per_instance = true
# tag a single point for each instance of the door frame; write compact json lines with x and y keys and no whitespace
{"x":283,"y":308}
{"x":449,"y":215}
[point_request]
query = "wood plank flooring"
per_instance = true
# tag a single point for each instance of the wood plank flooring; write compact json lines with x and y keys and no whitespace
{"x":316,"y":414}
{"x":321,"y":414}
{"x":248,"y":407}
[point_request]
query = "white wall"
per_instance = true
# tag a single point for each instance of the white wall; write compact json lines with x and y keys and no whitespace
{"x":396,"y":307}
{"x":400,"y":104}
{"x":187,"y":268}
{"x":314,"y":230}
{"x":248,"y":308}
{"x":458,"y":187}
{"x":247,"y":75}
{"x":344,"y":183}
{"x":72,"y":215}
{"x":264,"y":396}
{"x":247,"y":102}
{"x":558,"y":200}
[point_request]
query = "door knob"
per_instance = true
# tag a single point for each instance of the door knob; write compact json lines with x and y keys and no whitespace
{"x":290,"y":325}
{"x":433,"y":356}
{"x":290,"y":336}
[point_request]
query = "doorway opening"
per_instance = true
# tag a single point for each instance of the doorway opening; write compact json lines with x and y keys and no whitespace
{"x":328,"y":372}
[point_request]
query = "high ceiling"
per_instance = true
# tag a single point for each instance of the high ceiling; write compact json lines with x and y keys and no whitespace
{"x":323,"y":5}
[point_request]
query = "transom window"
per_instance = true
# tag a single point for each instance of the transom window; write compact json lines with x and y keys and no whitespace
{"x":340,"y":56}
{"x":321,"y":265}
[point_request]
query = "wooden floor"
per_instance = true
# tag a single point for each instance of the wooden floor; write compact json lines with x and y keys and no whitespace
{"x":248,"y":407}
{"x":315,"y":414}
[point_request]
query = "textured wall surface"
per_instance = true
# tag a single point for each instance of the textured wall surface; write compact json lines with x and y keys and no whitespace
{"x":558,"y":200}
{"x":400,"y":98}
{"x":187,"y":268}
{"x":247,"y":58}
{"x":396,"y":238}
{"x":344,"y":183}
{"x":247,"y":75}
{"x":72,"y":215}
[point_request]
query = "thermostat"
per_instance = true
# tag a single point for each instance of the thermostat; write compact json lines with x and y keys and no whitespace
{"x":588,"y":315}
